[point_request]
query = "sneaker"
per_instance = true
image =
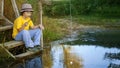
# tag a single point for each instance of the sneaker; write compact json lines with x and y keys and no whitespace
{"x":31,"y":49}
{"x":38,"y":47}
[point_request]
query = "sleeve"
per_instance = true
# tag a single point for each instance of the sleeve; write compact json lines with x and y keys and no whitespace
{"x":31,"y":24}
{"x":18,"y":23}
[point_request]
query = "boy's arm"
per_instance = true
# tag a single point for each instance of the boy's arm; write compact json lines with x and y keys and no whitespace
{"x":38,"y":26}
{"x":35,"y":27}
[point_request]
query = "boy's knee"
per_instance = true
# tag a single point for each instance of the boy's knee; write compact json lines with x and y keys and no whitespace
{"x":38,"y":30}
{"x":24,"y":31}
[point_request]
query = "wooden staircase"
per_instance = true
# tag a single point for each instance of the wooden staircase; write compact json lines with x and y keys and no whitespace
{"x":12,"y":44}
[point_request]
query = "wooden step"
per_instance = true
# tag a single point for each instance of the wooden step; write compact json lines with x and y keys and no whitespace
{"x":3,"y":28}
{"x":1,"y":21}
{"x":12,"y":44}
{"x":4,"y":53}
{"x":28,"y":54}
{"x":1,"y":18}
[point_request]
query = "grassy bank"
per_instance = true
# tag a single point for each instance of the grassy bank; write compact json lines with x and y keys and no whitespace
{"x":57,"y":28}
{"x":97,"y":20}
{"x":54,"y":29}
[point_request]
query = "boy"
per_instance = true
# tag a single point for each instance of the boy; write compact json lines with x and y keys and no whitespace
{"x":24,"y":29}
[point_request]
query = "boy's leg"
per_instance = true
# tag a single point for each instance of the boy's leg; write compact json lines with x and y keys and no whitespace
{"x":25,"y":37}
{"x":35,"y":34}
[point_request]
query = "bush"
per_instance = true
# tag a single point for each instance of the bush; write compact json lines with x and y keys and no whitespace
{"x":84,"y":7}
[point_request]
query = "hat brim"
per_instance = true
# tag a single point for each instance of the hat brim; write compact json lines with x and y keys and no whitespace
{"x":26,"y":10}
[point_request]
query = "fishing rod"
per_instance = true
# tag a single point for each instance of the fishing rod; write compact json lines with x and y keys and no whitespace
{"x":40,"y":13}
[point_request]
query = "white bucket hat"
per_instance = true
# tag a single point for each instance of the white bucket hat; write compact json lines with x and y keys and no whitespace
{"x":26,"y":7}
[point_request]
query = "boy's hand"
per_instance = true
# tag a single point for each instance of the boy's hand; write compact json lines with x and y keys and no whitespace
{"x":41,"y":26}
{"x":25,"y":24}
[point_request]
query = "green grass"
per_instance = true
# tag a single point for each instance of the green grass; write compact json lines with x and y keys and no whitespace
{"x":96,"y":20}
{"x":53,"y":29}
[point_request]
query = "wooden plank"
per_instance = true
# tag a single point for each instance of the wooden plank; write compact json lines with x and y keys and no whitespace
{"x":1,"y":21}
{"x":5,"y":21}
{"x":4,"y":53}
{"x":3,"y":28}
{"x":27,"y":54}
{"x":15,"y":8}
{"x":1,"y":18}
{"x":8,"y":21}
{"x":12,"y":44}
{"x":2,"y":8}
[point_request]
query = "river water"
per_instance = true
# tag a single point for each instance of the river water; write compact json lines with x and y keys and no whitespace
{"x":85,"y":48}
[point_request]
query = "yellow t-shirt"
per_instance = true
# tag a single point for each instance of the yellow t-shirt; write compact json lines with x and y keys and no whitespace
{"x":18,"y":24}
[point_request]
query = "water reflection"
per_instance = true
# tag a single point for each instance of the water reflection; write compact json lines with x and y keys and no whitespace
{"x":94,"y":55}
{"x":32,"y":63}
{"x":112,"y":65}
{"x":74,"y":56}
{"x":106,"y":38}
{"x":71,"y":59}
{"x":92,"y":47}
{"x":62,"y":58}
{"x":112,"y":56}
{"x":57,"y":57}
{"x":115,"y":57}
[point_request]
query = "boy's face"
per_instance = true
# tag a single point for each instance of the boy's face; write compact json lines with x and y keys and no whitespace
{"x":27,"y":14}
